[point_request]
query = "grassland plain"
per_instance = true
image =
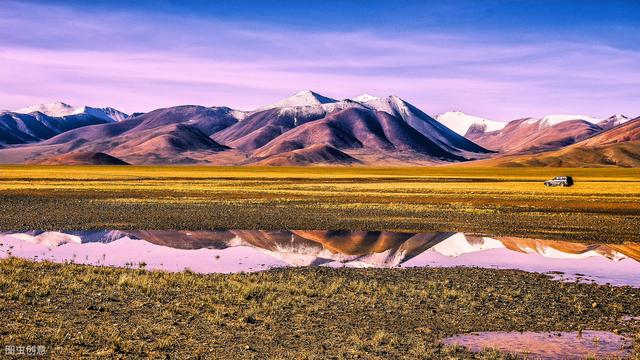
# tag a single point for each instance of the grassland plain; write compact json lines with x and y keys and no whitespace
{"x":604,"y":205}
{"x":305,"y":313}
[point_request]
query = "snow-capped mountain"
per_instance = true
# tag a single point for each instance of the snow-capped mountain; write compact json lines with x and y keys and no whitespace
{"x":60,"y":109}
{"x":302,"y":98}
{"x":17,"y":128}
{"x":536,"y":135}
{"x":613,"y":121}
{"x":461,"y":123}
{"x":56,"y":109}
{"x":108,"y":113}
{"x":423,"y":123}
{"x":366,"y":124}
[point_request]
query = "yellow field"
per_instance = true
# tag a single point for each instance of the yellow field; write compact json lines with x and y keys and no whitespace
{"x":124,"y":172}
{"x":603,"y":205}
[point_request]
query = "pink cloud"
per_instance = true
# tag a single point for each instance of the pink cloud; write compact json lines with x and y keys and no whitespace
{"x":138,"y":66}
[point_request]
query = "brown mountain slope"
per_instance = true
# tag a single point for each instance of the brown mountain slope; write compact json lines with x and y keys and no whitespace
{"x":207,"y":120}
{"x":263,"y":126}
{"x":166,"y":144}
{"x":530,"y":135}
{"x":169,"y":144}
{"x":620,"y":154}
{"x":358,"y":129}
{"x":83,"y":158}
{"x":313,"y":155}
{"x":173,"y":135}
{"x":16,"y":128}
{"x":629,"y":131}
{"x":619,"y":146}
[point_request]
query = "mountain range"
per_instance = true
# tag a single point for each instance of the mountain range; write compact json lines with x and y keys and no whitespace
{"x":310,"y":129}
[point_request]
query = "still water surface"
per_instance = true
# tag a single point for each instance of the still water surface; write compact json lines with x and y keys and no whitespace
{"x":228,"y":251}
{"x":549,"y":345}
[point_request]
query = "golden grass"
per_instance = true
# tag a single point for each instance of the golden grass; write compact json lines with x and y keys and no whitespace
{"x":502,"y":201}
{"x":85,"y":172}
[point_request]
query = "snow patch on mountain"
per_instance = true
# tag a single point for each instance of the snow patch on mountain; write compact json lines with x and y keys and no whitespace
{"x":613,"y":121}
{"x":391,"y":104}
{"x":60,"y":109}
{"x":108,"y":113}
{"x":461,"y":122}
{"x":365,"y":98}
{"x":302,"y":98}
{"x":238,"y":114}
{"x":618,"y":118}
{"x":551,"y":120}
{"x":318,"y":111}
{"x":56,"y":109}
{"x":458,"y":244}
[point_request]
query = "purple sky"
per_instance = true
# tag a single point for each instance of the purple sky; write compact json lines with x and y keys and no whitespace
{"x":138,"y":61}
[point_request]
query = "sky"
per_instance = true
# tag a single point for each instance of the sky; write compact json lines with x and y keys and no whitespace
{"x":497,"y":59}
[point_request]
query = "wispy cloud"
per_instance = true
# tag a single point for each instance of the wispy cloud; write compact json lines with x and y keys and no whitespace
{"x":139,"y":63}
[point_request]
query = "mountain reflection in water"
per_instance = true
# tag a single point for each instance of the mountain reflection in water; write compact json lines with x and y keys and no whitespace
{"x":255,"y":250}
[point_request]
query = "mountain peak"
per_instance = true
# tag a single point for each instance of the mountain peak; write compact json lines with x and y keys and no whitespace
{"x":107,"y":113}
{"x":618,"y":117}
{"x":58,"y":103}
{"x":461,"y":122}
{"x":391,"y":104}
{"x":301,"y":98}
{"x":613,"y":121}
{"x":57,"y":108}
{"x":60,"y":109}
{"x":306,"y":93}
{"x":365,"y":98}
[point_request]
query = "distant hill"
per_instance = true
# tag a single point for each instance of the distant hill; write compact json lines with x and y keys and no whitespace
{"x":17,"y":128}
{"x":83,"y":158}
{"x":60,"y":109}
{"x":535,"y":135}
{"x":619,"y":146}
{"x":317,"y":154}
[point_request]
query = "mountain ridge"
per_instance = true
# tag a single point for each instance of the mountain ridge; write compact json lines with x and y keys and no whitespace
{"x":303,"y":129}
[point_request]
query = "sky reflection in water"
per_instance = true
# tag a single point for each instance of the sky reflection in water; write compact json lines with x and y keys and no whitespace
{"x":228,"y":251}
